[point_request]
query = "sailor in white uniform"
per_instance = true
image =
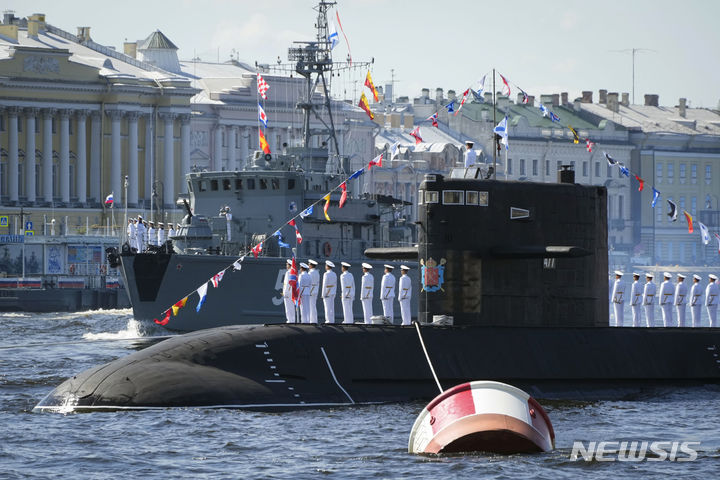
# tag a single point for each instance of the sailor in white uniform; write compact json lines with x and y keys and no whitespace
{"x":712,"y":295}
{"x":695,"y":301}
{"x":366,"y":292}
{"x":470,"y":155}
{"x":161,"y":234}
{"x":304,"y":286}
{"x":314,"y":290}
{"x":636,"y":293}
{"x":618,"y":298}
{"x":171,"y":231}
{"x":405,"y":294}
{"x":667,"y":292}
{"x":347,"y":284}
{"x":287,"y":294}
{"x":681,"y":299}
{"x":131,"y":233}
{"x":649,"y":300}
{"x":141,"y":233}
{"x":387,"y":292}
{"x":152,"y":234}
{"x":329,"y":289}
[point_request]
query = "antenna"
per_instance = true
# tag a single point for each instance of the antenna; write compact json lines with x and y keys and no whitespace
{"x":633,"y":51}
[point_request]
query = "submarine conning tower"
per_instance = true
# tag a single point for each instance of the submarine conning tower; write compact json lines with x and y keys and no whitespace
{"x":505,"y":253}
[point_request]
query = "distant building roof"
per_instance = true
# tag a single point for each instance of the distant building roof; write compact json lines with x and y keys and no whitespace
{"x":157,"y":40}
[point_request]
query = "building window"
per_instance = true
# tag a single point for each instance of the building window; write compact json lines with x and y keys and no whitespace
{"x":558,"y":166}
{"x":453,"y":197}
{"x":609,"y":171}
{"x":420,"y":197}
{"x":238,"y":184}
{"x":431,"y":196}
{"x":226,"y":184}
{"x":251,"y":184}
{"x":19,"y":124}
{"x":658,"y":251}
{"x":671,"y":172}
{"x":658,"y":173}
{"x":547,"y":168}
{"x":620,"y":206}
{"x":2,"y":125}
{"x":585,"y":169}
{"x":682,"y":172}
{"x":670,"y":251}
{"x":658,"y":212}
{"x":535,"y":167}
{"x":693,"y":205}
{"x":263,"y":184}
{"x":509,"y":166}
{"x":214,"y":185}
{"x":683,"y":248}
{"x":522,"y":166}
{"x":597,"y":169}
{"x":708,"y":174}
{"x":54,"y":125}
{"x":291,"y":184}
{"x":682,"y":203}
{"x":693,"y":173}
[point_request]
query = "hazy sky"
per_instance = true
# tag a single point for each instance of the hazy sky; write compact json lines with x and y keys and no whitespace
{"x":542,"y":46}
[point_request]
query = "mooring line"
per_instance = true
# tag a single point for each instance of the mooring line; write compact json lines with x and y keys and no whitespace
{"x":427,"y":357}
{"x":322,"y":349}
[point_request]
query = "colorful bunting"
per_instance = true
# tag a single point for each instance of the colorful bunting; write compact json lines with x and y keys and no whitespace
{"x":576,"y":138}
{"x":672,"y":213}
{"x":217,"y":278}
{"x":462,"y":102}
{"x":656,"y":196}
{"x":450,"y":106}
{"x":237,"y":264}
{"x":202,"y":293}
{"x":281,"y":243}
{"x":261,"y":115}
{"x":263,"y":142}
{"x":642,"y":183}
{"x":176,"y":308}
{"x":369,"y":83}
{"x":357,"y":174}
{"x":501,"y":130}
{"x":292,"y":280}
{"x":704,"y":233}
{"x":526,"y":98}
{"x":416,"y":133}
{"x":363,"y":103}
{"x":689,"y":219}
{"x":377,"y":161}
{"x":343,"y":197}
{"x":257,"y":249}
{"x":327,"y":205}
{"x":506,"y":84}
{"x":307,"y":212}
{"x":434,"y":119}
{"x":589,"y":145}
{"x":165,"y":320}
{"x":545,"y":112}
{"x":298,"y":237}
{"x":262,"y":87}
{"x":337,"y":15}
{"x":611,"y":161}
{"x":554,"y":118}
{"x":624,"y":170}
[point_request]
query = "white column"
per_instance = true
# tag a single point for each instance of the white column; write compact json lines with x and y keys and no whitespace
{"x":133,"y":177}
{"x":81,"y":150}
{"x":12,"y":179}
{"x":218,"y":153}
{"x":168,"y":162}
{"x":184,"y":150}
{"x":244,"y":147}
{"x":30,"y":114}
{"x":231,"y":132}
{"x":65,"y":156}
{"x":115,"y":156}
{"x":149,"y":168}
{"x":96,"y":142}
{"x":47,"y":175}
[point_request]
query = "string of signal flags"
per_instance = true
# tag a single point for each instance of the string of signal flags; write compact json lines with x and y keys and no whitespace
{"x":501,"y":130}
{"x":294,"y":222}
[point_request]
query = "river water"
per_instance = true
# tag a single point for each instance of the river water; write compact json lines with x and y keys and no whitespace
{"x":39,"y":351}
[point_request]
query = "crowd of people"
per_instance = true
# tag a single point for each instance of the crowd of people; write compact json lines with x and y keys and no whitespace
{"x":670,"y":297}
{"x":142,"y":233}
{"x":309,"y":289}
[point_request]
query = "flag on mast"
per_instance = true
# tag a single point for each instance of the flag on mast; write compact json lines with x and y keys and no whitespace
{"x":363,"y":103}
{"x":416,"y":133}
{"x":262,"y":87}
{"x":369,"y":83}
{"x":672,"y":213}
{"x":501,"y":129}
{"x":705,"y":233}
{"x":263,"y":142}
{"x":689,"y":219}
{"x":261,"y":115}
{"x":327,"y":205}
{"x":109,"y":200}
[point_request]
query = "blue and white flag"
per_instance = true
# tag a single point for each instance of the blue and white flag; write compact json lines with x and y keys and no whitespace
{"x":501,"y":129}
{"x":544,"y":110}
{"x":202,"y":292}
{"x":394,"y":150}
{"x":554,"y":118}
{"x":481,"y":87}
{"x":357,"y":174}
{"x":611,"y":161}
{"x":624,"y":170}
{"x":656,"y":195}
{"x":293,"y":207}
{"x":280,"y":240}
{"x":672,"y":211}
{"x":333,"y":35}
{"x":450,"y":106}
{"x":704,"y":233}
{"x":261,"y":115}
{"x":307,"y":212}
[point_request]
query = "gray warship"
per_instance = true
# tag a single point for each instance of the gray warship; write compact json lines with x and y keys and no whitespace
{"x":228,"y":212}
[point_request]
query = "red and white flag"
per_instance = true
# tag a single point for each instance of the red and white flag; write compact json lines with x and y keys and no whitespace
{"x":217,"y":278}
{"x":343,"y":197}
{"x":377,"y":161}
{"x":416,"y":133}
{"x":257,"y":249}
{"x":298,"y":237}
{"x":434,"y":119}
{"x":507,"y":85}
{"x":263,"y":87}
{"x":589,"y":145}
{"x":462,"y":102}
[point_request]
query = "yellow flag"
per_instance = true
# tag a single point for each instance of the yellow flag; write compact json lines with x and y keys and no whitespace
{"x":365,"y":105}
{"x":369,"y":83}
{"x":178,"y":306}
{"x":327,"y":205}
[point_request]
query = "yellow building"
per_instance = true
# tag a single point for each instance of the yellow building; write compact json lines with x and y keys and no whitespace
{"x":79,"y":120}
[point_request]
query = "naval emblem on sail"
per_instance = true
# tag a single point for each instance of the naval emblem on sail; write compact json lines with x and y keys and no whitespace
{"x":432,"y":275}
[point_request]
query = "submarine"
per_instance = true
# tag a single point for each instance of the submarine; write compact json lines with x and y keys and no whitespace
{"x":512,"y":288}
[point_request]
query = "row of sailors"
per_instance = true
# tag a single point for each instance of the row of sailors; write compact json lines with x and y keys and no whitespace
{"x":308,"y":285}
{"x":141,"y":233}
{"x":669,"y":296}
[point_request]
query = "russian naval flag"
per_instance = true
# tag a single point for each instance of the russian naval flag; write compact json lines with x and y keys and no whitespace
{"x":109,"y":200}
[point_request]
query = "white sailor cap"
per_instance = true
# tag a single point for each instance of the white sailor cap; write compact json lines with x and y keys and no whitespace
{"x":288,"y":261}
{"x":388,"y":266}
{"x":650,"y":275}
{"x":404,"y":267}
{"x":697,"y":277}
{"x":618,"y":272}
{"x":667,"y":274}
{"x":161,"y":223}
{"x":329,"y":264}
{"x":712,"y":276}
{"x":680,"y":275}
{"x":312,"y":262}
{"x":139,"y":217}
{"x":366,"y":265}
{"x":469,"y":142}
{"x":304,"y":265}
{"x":636,"y":274}
{"x":345,"y":264}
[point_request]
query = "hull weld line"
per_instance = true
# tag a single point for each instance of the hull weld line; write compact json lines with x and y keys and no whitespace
{"x":332,"y":372}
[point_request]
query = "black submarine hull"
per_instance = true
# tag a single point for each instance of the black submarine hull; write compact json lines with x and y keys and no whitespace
{"x":269,"y":367}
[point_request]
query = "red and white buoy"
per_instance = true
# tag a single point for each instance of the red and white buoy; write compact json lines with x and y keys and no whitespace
{"x":482,"y":416}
